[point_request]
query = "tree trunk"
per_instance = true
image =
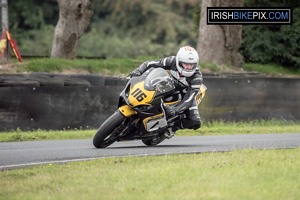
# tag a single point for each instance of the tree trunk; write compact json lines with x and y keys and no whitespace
{"x":74,"y":18}
{"x":219,"y":44}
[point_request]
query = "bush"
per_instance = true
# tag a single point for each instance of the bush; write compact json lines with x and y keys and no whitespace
{"x":278,"y":44}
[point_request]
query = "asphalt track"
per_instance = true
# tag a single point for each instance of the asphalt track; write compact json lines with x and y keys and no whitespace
{"x":22,"y":154}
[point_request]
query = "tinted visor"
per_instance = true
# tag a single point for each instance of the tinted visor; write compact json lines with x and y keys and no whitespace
{"x":188,"y":66}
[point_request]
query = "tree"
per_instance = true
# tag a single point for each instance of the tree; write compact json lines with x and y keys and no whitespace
{"x":219,"y":44}
{"x":74,"y":18}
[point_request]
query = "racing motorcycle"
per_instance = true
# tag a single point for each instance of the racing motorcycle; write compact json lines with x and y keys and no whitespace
{"x":141,"y":113}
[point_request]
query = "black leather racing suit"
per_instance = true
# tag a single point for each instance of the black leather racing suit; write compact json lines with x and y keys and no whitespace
{"x":187,"y":86}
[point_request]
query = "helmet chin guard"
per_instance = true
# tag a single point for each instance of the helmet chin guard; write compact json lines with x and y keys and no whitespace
{"x":187,"y":55}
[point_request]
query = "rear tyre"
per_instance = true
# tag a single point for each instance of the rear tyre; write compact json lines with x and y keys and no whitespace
{"x":103,"y":137}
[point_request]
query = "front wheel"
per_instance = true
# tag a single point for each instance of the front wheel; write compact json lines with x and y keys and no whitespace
{"x":103,"y":137}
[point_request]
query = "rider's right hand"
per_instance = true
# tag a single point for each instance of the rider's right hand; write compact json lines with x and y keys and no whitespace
{"x":135,"y":73}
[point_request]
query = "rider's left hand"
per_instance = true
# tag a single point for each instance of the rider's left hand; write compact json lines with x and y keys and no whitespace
{"x":170,"y":111}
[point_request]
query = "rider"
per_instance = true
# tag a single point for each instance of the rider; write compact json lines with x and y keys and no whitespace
{"x":184,"y":68}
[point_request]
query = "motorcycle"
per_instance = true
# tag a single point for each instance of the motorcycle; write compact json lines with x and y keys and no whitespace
{"x":141,"y":114}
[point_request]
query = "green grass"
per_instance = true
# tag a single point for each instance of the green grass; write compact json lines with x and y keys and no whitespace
{"x":272,"y":69}
{"x":208,"y":128}
{"x":214,"y":67}
{"x":114,"y":66}
{"x":37,"y":135}
{"x":237,"y":128}
{"x":247,"y":174}
{"x":121,"y":66}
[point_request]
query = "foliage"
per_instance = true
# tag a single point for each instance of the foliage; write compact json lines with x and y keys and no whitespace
{"x":31,"y":24}
{"x":120,"y":28}
{"x":131,"y":28}
{"x":196,"y":18}
{"x":114,"y":45}
{"x":31,"y":14}
{"x":278,"y":44}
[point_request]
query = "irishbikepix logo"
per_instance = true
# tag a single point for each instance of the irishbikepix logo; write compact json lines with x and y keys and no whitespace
{"x":238,"y":15}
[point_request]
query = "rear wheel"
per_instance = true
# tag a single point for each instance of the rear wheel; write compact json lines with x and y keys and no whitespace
{"x":104,"y":137}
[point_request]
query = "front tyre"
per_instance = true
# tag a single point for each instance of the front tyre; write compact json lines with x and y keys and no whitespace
{"x":103,"y":137}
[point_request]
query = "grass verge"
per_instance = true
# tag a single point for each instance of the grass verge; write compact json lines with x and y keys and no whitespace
{"x":109,"y":67}
{"x":246,"y":174}
{"x":123,"y":66}
{"x":237,"y":128}
{"x":271,"y":69}
{"x":208,"y":128}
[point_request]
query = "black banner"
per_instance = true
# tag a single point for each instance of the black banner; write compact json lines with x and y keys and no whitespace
{"x":238,"y":15}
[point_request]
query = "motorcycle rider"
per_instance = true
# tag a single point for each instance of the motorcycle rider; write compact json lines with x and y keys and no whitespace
{"x":184,"y":69}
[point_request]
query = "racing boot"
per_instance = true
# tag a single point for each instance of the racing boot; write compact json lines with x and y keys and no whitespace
{"x":169,"y":133}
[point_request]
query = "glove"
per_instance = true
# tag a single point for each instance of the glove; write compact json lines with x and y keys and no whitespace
{"x":135,"y":73}
{"x":170,"y":111}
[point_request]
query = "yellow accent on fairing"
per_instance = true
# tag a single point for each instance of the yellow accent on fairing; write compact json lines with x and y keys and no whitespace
{"x":127,"y":111}
{"x":170,"y":103}
{"x":145,"y":95}
{"x":155,"y":116}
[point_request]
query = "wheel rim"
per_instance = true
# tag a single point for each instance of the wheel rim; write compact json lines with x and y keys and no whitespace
{"x":113,"y":136}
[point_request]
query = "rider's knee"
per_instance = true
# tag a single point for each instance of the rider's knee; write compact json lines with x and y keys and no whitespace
{"x":196,"y":126}
{"x":192,"y":124}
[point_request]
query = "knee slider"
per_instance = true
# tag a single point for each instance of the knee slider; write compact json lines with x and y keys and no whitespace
{"x":197,"y":126}
{"x":193,"y":124}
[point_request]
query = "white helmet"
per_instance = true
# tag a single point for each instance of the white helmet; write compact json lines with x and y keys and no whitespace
{"x":189,"y":55}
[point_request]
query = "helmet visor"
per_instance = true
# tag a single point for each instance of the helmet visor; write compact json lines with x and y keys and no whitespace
{"x":188,"y":66}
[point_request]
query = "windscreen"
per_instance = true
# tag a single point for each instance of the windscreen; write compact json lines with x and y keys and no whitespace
{"x":159,"y":80}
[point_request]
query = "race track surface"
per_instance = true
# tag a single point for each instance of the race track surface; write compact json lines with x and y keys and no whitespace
{"x":22,"y":154}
